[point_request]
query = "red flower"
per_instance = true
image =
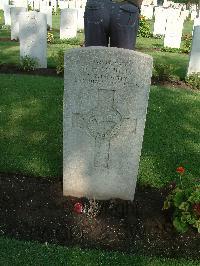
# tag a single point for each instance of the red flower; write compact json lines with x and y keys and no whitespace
{"x":180,"y":170}
{"x":196,"y":208}
{"x":78,"y":207}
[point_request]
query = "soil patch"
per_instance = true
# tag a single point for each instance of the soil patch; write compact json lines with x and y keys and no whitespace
{"x":35,"y":209}
{"x":13,"y":69}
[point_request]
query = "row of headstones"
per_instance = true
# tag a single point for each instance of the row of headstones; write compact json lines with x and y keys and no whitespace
{"x":169,"y":23}
{"x":36,"y":4}
{"x":31,"y":30}
{"x":71,"y":20}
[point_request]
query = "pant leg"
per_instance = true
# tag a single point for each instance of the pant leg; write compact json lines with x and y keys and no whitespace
{"x":124,"y":25}
{"x":96,"y":21}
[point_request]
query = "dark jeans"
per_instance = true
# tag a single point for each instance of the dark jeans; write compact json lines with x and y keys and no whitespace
{"x":105,"y":19}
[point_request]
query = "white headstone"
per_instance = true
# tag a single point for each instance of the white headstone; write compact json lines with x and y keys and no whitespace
{"x":15,"y":12}
{"x":81,"y":12}
{"x":160,"y":21}
{"x":33,"y":36}
{"x":54,"y":5}
{"x":72,"y":4}
{"x":194,"y":63}
{"x":173,"y":33}
{"x":105,"y":104}
{"x":36,"y":4}
{"x":7,"y":17}
{"x":68,"y":23}
{"x":147,"y":11}
{"x":2,"y":3}
{"x":48,"y":12}
{"x":20,"y":3}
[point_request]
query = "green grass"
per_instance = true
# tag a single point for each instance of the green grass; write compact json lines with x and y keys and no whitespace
{"x":31,"y":130}
{"x":31,"y":125}
{"x":13,"y":252}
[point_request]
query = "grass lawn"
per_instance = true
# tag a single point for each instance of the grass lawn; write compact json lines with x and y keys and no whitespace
{"x":13,"y":252}
{"x":31,"y":129}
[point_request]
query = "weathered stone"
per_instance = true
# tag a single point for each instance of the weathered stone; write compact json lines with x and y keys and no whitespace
{"x":15,"y":12}
{"x":68,"y":23}
{"x":105,"y":104}
{"x":194,"y":63}
{"x":7,"y":17}
{"x":33,"y":36}
{"x":48,"y":12}
{"x":173,"y":32}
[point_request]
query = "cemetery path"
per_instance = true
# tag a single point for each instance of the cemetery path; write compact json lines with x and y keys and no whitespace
{"x":35,"y":209}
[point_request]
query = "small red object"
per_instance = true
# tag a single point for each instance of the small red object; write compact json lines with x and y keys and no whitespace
{"x":180,"y":170}
{"x":78,"y":207}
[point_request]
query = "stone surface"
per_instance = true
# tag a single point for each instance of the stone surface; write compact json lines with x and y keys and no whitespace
{"x":160,"y":21}
{"x":105,"y":104}
{"x":68,"y":23}
{"x":15,"y":12}
{"x":7,"y":16}
{"x":2,"y":3}
{"x":173,"y":32}
{"x":81,"y":18}
{"x":47,"y":10}
{"x":194,"y":63}
{"x":33,"y":36}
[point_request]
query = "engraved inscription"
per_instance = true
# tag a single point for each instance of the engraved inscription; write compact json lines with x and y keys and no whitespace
{"x":103,"y":123}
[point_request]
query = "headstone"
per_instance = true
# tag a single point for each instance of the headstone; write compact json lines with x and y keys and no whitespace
{"x":48,"y":12}
{"x":15,"y":12}
{"x":63,"y":4}
{"x":7,"y":17}
{"x":68,"y":23}
{"x":54,"y":5}
{"x":160,"y":21}
{"x":72,"y":4}
{"x":81,"y":12}
{"x":105,"y":104}
{"x":37,"y":5}
{"x":2,"y":3}
{"x":147,"y":11}
{"x":33,"y":36}
{"x":20,"y":3}
{"x":194,"y":63}
{"x":173,"y":33}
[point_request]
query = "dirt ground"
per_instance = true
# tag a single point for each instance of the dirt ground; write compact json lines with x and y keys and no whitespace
{"x":35,"y":209}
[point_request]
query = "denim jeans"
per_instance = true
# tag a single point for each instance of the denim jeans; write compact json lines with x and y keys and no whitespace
{"x":105,"y":20}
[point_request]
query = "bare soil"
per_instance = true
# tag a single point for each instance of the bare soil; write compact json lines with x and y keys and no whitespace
{"x":35,"y":209}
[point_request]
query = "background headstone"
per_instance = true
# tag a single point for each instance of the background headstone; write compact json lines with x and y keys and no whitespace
{"x":47,"y":10}
{"x":105,"y":104}
{"x":68,"y":23}
{"x":33,"y":36}
{"x":7,"y":16}
{"x":194,"y":63}
{"x":173,"y":32}
{"x":15,"y":12}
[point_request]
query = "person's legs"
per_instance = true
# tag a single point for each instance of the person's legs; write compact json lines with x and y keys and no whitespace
{"x":124,"y":25}
{"x":96,"y":20}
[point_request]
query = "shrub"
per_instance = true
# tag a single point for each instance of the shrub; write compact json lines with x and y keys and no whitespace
{"x":163,"y":72}
{"x":144,"y":28}
{"x":187,"y":42}
{"x":59,"y":60}
{"x":193,"y":80}
{"x":50,"y":38}
{"x":30,"y":8}
{"x":27,"y":63}
{"x":171,"y":50}
{"x":184,"y":200}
